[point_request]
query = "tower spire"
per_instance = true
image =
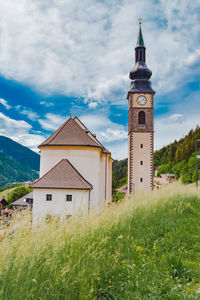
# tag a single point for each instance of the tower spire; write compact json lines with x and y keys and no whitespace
{"x":140,"y":40}
{"x":140,"y":73}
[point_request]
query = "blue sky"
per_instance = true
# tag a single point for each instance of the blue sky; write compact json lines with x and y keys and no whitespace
{"x":61,"y":56}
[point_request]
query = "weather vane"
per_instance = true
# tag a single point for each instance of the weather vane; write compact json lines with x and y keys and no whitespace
{"x":140,"y":20}
{"x":70,"y":114}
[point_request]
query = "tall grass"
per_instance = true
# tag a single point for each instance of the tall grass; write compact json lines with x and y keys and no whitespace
{"x":147,"y":247}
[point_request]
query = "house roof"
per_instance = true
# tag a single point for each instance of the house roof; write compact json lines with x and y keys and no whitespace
{"x":63,"y":176}
{"x":3,"y":201}
{"x":73,"y":133}
{"x":22,"y":201}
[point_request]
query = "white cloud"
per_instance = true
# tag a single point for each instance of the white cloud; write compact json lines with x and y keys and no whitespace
{"x":92,"y":104}
{"x":105,"y":129}
{"x":19,"y":131}
{"x":27,"y":112}
{"x":168,"y":129}
{"x":119,"y":150}
{"x":8,"y":123}
{"x":47,"y":104}
{"x":30,"y":114}
{"x":51,"y":121}
{"x":87,"y":48}
{"x":4,"y":103}
{"x":111,"y":134}
{"x":176,"y":118}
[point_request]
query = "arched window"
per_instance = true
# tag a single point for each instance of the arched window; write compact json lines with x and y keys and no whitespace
{"x":141,"y":118}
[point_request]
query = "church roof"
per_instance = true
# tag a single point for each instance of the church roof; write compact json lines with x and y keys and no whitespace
{"x":73,"y":133}
{"x":63,"y":176}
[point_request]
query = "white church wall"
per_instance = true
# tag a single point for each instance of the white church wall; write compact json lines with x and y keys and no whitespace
{"x":58,"y":205}
{"x":109,"y":179}
{"x":85,"y":159}
{"x":102,"y":200}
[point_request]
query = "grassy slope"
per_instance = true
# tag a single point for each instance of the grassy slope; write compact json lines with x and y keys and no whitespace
{"x":146,"y":248}
{"x":6,"y":192}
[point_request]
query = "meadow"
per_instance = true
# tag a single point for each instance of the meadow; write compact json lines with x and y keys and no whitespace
{"x":146,"y":247}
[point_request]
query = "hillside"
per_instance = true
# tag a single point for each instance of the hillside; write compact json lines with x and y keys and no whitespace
{"x":148,"y":248}
{"x":20,"y":153}
{"x":178,"y":150}
{"x":177,"y":157}
{"x":17,"y":163}
{"x":120,"y":171}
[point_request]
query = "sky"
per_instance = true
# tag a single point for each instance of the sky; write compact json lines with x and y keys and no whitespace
{"x":58,"y":56}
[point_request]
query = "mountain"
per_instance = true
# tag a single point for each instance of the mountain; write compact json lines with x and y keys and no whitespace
{"x":17,"y":163}
{"x":22,"y":154}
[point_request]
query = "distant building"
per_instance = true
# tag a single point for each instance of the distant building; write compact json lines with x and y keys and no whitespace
{"x":75,"y":173}
{"x":3,"y":204}
{"x":165,"y":179}
{"x":24,"y":202}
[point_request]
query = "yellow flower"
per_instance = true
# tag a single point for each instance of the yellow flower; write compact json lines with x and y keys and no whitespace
{"x":154,"y":247}
{"x":139,"y":248}
{"x":123,"y":261}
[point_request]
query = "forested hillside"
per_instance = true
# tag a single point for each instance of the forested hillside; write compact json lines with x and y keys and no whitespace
{"x":120,"y":171}
{"x":177,"y":151}
{"x":17,"y":163}
{"x":177,"y":157}
{"x":12,"y":170}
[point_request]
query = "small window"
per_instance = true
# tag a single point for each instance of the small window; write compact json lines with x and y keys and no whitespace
{"x":68,"y":197}
{"x":141,"y":179}
{"x":141,"y":163}
{"x":141,"y":146}
{"x":48,"y":197}
{"x":141,"y":118}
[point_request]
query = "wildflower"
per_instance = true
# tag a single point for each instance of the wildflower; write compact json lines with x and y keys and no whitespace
{"x":123,"y":261}
{"x":139,"y":249}
{"x":154,"y":247}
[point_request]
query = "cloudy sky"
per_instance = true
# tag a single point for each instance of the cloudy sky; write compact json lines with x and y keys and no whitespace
{"x":58,"y":56}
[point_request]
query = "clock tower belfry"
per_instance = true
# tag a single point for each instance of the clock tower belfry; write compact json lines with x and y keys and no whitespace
{"x":140,"y":123}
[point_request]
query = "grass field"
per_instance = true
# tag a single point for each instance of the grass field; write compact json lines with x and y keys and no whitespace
{"x":144,"y":248}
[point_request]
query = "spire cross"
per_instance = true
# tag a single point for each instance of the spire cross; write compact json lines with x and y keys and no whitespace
{"x":140,"y":20}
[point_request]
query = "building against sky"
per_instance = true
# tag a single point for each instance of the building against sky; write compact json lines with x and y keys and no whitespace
{"x":75,"y":173}
{"x":140,"y":123}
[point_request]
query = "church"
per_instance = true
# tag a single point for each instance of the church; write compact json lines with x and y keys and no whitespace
{"x":76,"y":169}
{"x":75,"y":173}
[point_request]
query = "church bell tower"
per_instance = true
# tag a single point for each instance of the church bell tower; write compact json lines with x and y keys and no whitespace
{"x":140,"y":123}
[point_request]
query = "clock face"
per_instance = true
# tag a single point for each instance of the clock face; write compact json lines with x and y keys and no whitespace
{"x":142,"y":100}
